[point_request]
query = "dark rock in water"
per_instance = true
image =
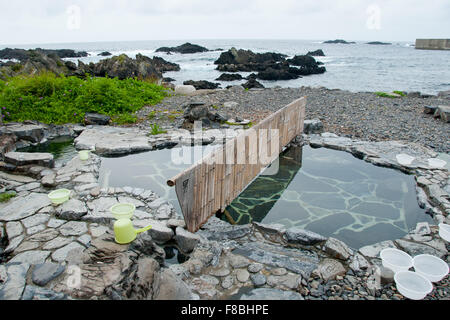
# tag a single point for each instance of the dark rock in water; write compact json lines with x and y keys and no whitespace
{"x":379,"y":43}
{"x":202,"y":84}
{"x":184,"y":48}
{"x":105,"y":54}
{"x":338,"y":41}
{"x":279,"y":74}
{"x":308,"y":65}
{"x":229,"y":77}
{"x":317,"y":53}
{"x":252,"y":83}
{"x":247,"y":57}
{"x":269,"y":65}
{"x":168,"y":79}
{"x":95,"y":118}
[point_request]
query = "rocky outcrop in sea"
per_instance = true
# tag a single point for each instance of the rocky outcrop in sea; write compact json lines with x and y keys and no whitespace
{"x":184,"y":48}
{"x":269,"y":65}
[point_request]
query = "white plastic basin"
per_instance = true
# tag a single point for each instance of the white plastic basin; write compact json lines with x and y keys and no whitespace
{"x":431,"y":267}
{"x":412,"y":285}
{"x":396,"y":260}
{"x":83,"y":154}
{"x":122,"y":210}
{"x":59,"y":196}
{"x":444,"y":231}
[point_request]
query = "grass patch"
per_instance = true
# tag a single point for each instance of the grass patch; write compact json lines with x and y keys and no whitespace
{"x":151,"y":115}
{"x":5,"y":196}
{"x":400,"y":93}
{"x":155,"y":129}
{"x":49,"y":98}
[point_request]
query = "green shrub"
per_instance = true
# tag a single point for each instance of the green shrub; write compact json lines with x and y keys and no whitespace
{"x":56,"y":99}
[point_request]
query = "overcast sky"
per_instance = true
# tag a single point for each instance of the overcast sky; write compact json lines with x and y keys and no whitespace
{"x":58,"y":21}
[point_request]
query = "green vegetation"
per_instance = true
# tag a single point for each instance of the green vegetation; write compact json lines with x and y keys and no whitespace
{"x":401,"y":93}
{"x":392,"y":95}
{"x":56,"y":99}
{"x":5,"y":196}
{"x":151,"y":115}
{"x":155,"y":129}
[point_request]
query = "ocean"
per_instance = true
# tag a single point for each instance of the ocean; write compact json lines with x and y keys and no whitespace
{"x":356,"y":67}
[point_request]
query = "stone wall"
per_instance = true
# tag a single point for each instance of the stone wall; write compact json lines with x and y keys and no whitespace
{"x":433,"y":44}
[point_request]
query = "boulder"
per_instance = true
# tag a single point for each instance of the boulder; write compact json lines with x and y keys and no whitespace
{"x":202,"y":84}
{"x":312,"y":126}
{"x":252,"y":83}
{"x":302,"y":236}
{"x":308,"y":65}
{"x":29,"y":132}
{"x":124,"y":67}
{"x":429,"y":109}
{"x":330,"y":268}
{"x":105,"y":54}
{"x":184,"y":48}
{"x":184,"y":89}
{"x":337,"y":249}
{"x":229,"y":77}
{"x":96,"y":119}
{"x":186,"y":240}
{"x":317,"y":53}
{"x":27,"y":158}
{"x":443,"y":112}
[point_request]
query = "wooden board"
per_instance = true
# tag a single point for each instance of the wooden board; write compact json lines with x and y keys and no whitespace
{"x":213,"y":182}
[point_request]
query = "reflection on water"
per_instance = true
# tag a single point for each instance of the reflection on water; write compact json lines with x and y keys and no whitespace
{"x":332,"y":193}
{"x":62,"y":149}
{"x":150,"y":170}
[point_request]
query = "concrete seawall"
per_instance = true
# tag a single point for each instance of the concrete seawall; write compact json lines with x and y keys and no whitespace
{"x":433,"y":44}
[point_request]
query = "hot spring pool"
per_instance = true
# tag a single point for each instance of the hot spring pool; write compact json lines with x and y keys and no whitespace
{"x":326,"y":191}
{"x":334,"y":194}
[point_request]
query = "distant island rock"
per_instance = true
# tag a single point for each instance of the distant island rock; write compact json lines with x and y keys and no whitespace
{"x":317,"y":53}
{"x":339,"y":41}
{"x":105,"y":54}
{"x":184,"y":48}
{"x":269,"y":65}
{"x":24,"y":55}
{"x":379,"y":43}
